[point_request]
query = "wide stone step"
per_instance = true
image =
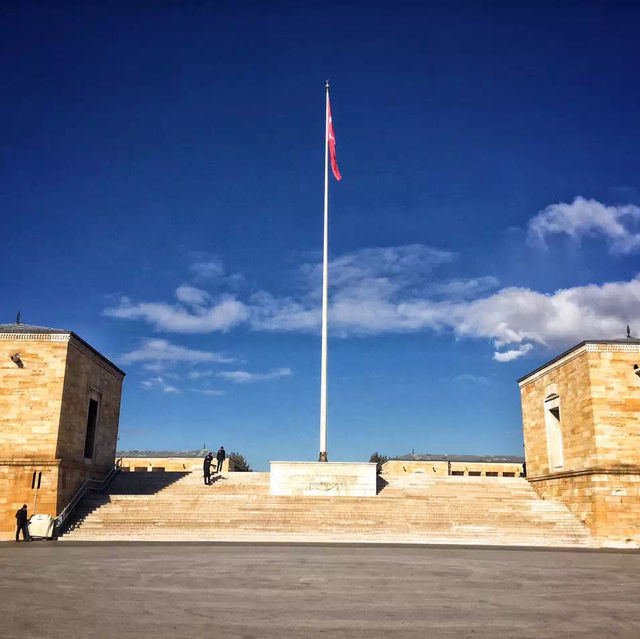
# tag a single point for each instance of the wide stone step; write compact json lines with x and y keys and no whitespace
{"x":238,"y":506}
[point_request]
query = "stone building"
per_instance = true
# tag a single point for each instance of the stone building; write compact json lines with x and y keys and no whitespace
{"x":581,"y":421}
{"x":158,"y":461}
{"x":455,"y":465}
{"x":59,"y":412}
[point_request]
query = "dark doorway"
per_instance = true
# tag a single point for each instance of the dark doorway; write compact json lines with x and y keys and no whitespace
{"x":92,"y":421}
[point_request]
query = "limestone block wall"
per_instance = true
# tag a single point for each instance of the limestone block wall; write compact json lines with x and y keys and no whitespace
{"x":608,"y":503}
{"x":571,"y":382}
{"x":599,"y":400}
{"x":86,"y":372}
{"x":31,"y":396}
{"x":43,"y":418}
{"x":615,"y":398}
{"x":19,"y":484}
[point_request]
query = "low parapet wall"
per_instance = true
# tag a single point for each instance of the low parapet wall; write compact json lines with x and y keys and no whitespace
{"x":340,"y":479}
{"x":170,"y":464}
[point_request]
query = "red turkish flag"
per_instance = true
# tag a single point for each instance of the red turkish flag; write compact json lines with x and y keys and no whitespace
{"x":332,"y":143}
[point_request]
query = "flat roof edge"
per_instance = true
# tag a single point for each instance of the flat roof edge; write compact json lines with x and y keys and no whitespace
{"x":634,"y":341}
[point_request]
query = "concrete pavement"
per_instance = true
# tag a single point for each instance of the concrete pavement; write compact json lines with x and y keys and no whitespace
{"x":251,"y":591}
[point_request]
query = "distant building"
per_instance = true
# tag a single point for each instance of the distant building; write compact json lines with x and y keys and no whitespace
{"x":456,"y":465}
{"x":59,"y":412}
{"x":168,"y":460}
{"x":581,"y":421}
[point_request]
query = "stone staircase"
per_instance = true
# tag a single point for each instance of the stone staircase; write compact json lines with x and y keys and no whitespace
{"x":408,"y":509}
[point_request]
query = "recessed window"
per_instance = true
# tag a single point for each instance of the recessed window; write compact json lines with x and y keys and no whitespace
{"x":553,"y":425}
{"x":93,"y":415}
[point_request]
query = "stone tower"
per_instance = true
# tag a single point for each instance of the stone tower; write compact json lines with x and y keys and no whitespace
{"x":59,"y":412}
{"x":581,"y":421}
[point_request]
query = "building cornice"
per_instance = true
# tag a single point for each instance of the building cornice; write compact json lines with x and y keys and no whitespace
{"x":74,"y":339}
{"x":30,"y":462}
{"x":595,"y":470}
{"x":632,"y":346}
{"x":40,"y":337}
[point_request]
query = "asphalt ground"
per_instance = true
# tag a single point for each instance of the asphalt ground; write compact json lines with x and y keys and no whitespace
{"x":263,"y":591}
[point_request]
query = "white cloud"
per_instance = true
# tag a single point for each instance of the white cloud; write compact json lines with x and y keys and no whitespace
{"x":244,"y":377}
{"x":156,"y":353}
{"x":158,"y":383}
{"x":513,"y":353}
{"x":192,"y":296}
{"x":511,"y":316}
{"x":224,"y":314}
{"x":367,"y":287}
{"x":523,"y":316}
{"x":393,"y":290}
{"x":271,"y":313}
{"x":619,"y":225}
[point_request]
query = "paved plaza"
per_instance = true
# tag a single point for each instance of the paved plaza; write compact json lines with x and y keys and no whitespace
{"x":244,"y":591}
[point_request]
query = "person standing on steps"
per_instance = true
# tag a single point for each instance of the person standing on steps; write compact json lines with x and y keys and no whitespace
{"x":221,"y":456}
{"x":22,"y":524}
{"x":206,"y":468}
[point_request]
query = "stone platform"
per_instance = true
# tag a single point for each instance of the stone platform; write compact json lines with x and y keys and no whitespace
{"x":408,"y":509}
{"x":340,"y":479}
{"x":325,"y":479}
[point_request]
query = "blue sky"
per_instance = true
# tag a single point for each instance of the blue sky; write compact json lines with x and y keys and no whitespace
{"x":161,"y":191}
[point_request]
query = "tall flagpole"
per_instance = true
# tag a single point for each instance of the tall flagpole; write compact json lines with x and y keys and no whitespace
{"x":325,"y":290}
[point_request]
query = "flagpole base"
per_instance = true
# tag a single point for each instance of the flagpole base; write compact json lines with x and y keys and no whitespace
{"x":323,"y":457}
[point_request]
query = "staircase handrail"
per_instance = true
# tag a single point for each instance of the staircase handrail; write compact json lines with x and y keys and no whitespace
{"x":89,"y":484}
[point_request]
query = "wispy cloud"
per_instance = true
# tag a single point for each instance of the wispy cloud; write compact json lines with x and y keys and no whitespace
{"x":158,"y":383}
{"x":244,"y":377}
{"x":462,"y":288}
{"x":199,"y":374}
{"x":211,"y":270}
{"x":225,"y":313}
{"x":160,"y":352}
{"x":469,"y":378}
{"x":192,"y":296}
{"x":513,"y":353}
{"x":367,"y":288}
{"x":208,"y":269}
{"x":394,"y":290}
{"x":618,"y":225}
{"x":212,"y":392}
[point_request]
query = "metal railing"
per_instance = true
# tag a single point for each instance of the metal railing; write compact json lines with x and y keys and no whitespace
{"x":90,"y":484}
